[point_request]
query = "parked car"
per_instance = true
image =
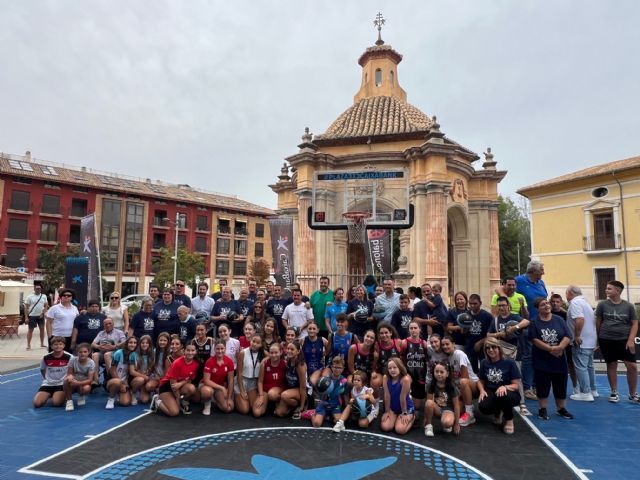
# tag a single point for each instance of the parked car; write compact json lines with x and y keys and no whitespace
{"x":131,"y":299}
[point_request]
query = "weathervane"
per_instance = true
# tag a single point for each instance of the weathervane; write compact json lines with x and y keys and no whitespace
{"x":378,"y":23}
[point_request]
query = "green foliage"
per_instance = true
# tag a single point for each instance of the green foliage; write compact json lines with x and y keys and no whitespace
{"x":514,"y":229}
{"x":259,"y":270}
{"x":51,"y":261}
{"x":190,"y":265}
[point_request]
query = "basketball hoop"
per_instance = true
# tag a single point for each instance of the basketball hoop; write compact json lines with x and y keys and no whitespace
{"x":357,"y":226}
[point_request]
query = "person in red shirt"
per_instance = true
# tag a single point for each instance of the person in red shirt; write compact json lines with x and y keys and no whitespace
{"x":217,"y":383}
{"x":271,"y":381}
{"x":176,"y":387}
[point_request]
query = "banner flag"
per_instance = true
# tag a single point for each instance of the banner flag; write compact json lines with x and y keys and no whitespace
{"x":76,"y":274}
{"x":379,"y":250}
{"x":282,"y":248}
{"x":89,"y":249}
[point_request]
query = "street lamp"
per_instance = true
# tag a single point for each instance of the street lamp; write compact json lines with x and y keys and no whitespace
{"x":136,"y":266}
{"x":175,"y":246}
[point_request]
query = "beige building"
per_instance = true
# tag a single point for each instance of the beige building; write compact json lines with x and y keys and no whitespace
{"x":454,"y":239}
{"x":584,"y":228}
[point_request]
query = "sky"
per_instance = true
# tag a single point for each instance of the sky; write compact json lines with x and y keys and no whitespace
{"x":217,"y":94}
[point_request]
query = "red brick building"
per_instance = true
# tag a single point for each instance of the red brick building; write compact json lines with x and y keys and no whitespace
{"x":43,"y":202}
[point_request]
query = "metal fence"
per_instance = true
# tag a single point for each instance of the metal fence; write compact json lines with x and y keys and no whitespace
{"x":309,"y":282}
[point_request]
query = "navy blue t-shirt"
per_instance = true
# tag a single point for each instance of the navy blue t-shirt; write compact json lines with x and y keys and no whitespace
{"x":246,"y":306}
{"x":497,"y":374}
{"x":182,"y":299}
{"x":459,"y":338}
{"x":551,"y":332}
{"x":188,"y":330}
{"x":360,"y":324}
{"x":88,"y":326}
{"x":512,"y":339}
{"x":225,"y":308}
{"x":165,"y":318}
{"x":479,"y":328}
{"x":142,"y":324}
{"x":401,"y":320}
{"x":275,"y":309}
{"x":422,"y":310}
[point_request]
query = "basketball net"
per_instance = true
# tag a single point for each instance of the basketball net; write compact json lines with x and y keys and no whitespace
{"x":357,"y":226}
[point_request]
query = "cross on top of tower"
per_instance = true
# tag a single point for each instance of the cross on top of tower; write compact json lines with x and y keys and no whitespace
{"x":378,"y":23}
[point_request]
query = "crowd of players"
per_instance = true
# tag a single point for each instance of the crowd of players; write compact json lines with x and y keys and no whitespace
{"x":340,"y":356}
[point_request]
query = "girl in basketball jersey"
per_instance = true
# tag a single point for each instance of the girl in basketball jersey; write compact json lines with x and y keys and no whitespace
{"x":246,"y":385}
{"x":434,"y":355}
{"x":269,"y":335}
{"x":415,"y":354}
{"x":140,"y":372}
{"x":161,"y":357}
{"x":389,"y":345}
{"x":313,"y":349}
{"x":245,"y":340}
{"x":217,"y":382}
{"x":271,"y":381}
{"x":362,"y":406}
{"x":289,"y":336}
{"x":232,"y":345}
{"x":118,"y":384}
{"x":176,"y":387}
{"x":363,"y":357}
{"x":399,"y":412}
{"x":204,"y":349}
{"x":176,"y":348}
{"x":295,"y":395}
{"x":340,"y":341}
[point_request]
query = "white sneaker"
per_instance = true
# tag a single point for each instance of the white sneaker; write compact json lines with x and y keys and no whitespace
{"x":339,"y":426}
{"x":595,"y":393}
{"x":576,"y":390}
{"x":110,"y":403}
{"x":467,"y":419}
{"x":582,"y":397}
{"x":155,"y":401}
{"x":207,"y":408}
{"x":82,"y":400}
{"x":69,"y":406}
{"x":428,"y":430}
{"x":134,"y":400}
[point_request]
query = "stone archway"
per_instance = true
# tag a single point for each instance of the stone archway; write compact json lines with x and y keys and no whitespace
{"x":458,"y":249}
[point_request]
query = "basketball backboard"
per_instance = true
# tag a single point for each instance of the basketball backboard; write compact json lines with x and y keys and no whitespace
{"x":383,"y":195}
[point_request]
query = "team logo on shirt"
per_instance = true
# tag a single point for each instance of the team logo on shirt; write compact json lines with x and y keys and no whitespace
{"x":549,"y":336}
{"x":475,"y":328}
{"x":277,"y":309}
{"x":164,"y":314}
{"x":94,"y":324}
{"x":494,"y":375}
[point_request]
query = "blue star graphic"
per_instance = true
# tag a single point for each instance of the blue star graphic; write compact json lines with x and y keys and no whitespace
{"x":271,"y":467}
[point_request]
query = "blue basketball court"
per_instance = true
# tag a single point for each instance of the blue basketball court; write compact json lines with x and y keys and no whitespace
{"x":91,"y":442}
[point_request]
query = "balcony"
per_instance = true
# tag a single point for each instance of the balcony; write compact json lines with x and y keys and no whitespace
{"x":602,"y":244}
{"x":222,"y":230}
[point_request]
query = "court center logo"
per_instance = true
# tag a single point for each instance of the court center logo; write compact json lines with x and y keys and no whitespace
{"x":289,"y":453}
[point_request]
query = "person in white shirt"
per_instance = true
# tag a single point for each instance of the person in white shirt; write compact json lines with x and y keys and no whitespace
{"x":387,"y":303}
{"x":202,"y":302}
{"x":35,"y":306}
{"x":297,"y":315}
{"x":60,"y":317}
{"x":581,"y":321}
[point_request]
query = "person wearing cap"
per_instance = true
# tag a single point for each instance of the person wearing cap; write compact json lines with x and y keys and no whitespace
{"x":60,"y":317}
{"x":498,"y":384}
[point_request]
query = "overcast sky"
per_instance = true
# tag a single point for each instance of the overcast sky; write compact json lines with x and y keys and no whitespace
{"x":216,"y":94}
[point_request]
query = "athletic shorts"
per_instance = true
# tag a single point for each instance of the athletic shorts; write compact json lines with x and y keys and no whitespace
{"x":36,"y":321}
{"x":50,"y":390}
{"x":614,"y":350}
{"x":249,"y":384}
{"x":418,"y":390}
{"x":165,"y":388}
{"x":325,"y":409}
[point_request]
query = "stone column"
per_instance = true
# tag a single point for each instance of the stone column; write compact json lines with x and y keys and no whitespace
{"x":436,"y":234}
{"x":494,"y":247}
{"x":305,"y":254}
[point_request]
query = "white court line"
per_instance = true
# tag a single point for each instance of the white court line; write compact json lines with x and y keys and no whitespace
{"x":19,"y":378}
{"x":579,"y":473}
{"x":424,"y":447}
{"x":28,"y":468}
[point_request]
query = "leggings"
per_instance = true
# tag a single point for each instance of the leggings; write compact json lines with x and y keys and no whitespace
{"x":495,"y":404}
{"x":546,"y":380}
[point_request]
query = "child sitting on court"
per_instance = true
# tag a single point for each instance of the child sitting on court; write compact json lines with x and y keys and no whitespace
{"x":53,"y":368}
{"x":80,"y":375}
{"x":331,"y":388}
{"x":362,"y":407}
{"x":443,"y":400}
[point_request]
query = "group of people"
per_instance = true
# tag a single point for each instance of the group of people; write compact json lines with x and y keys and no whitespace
{"x":345,"y":358}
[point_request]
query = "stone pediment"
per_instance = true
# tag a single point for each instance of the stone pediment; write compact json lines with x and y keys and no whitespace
{"x":601,"y":204}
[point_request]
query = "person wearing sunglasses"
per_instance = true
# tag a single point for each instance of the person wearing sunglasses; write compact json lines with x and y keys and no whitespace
{"x":117,"y":312}
{"x":179,"y":296}
{"x":499,"y":384}
{"x":60,"y":317}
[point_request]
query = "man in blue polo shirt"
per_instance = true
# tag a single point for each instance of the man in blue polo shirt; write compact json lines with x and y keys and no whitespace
{"x":531,"y":286}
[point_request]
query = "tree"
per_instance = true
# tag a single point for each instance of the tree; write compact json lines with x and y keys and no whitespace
{"x":515,"y":237}
{"x":52,"y":262}
{"x":190,"y":265}
{"x":260,"y":270}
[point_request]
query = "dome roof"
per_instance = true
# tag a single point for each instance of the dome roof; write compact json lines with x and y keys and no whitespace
{"x":375,"y":116}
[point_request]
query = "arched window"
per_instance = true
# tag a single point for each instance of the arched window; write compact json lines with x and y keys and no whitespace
{"x":378,"y":77}
{"x":391,"y":77}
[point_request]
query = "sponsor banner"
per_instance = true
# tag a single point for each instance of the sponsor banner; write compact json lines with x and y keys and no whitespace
{"x":89,"y":249}
{"x":75,"y":277}
{"x":282,"y":248}
{"x":379,"y":250}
